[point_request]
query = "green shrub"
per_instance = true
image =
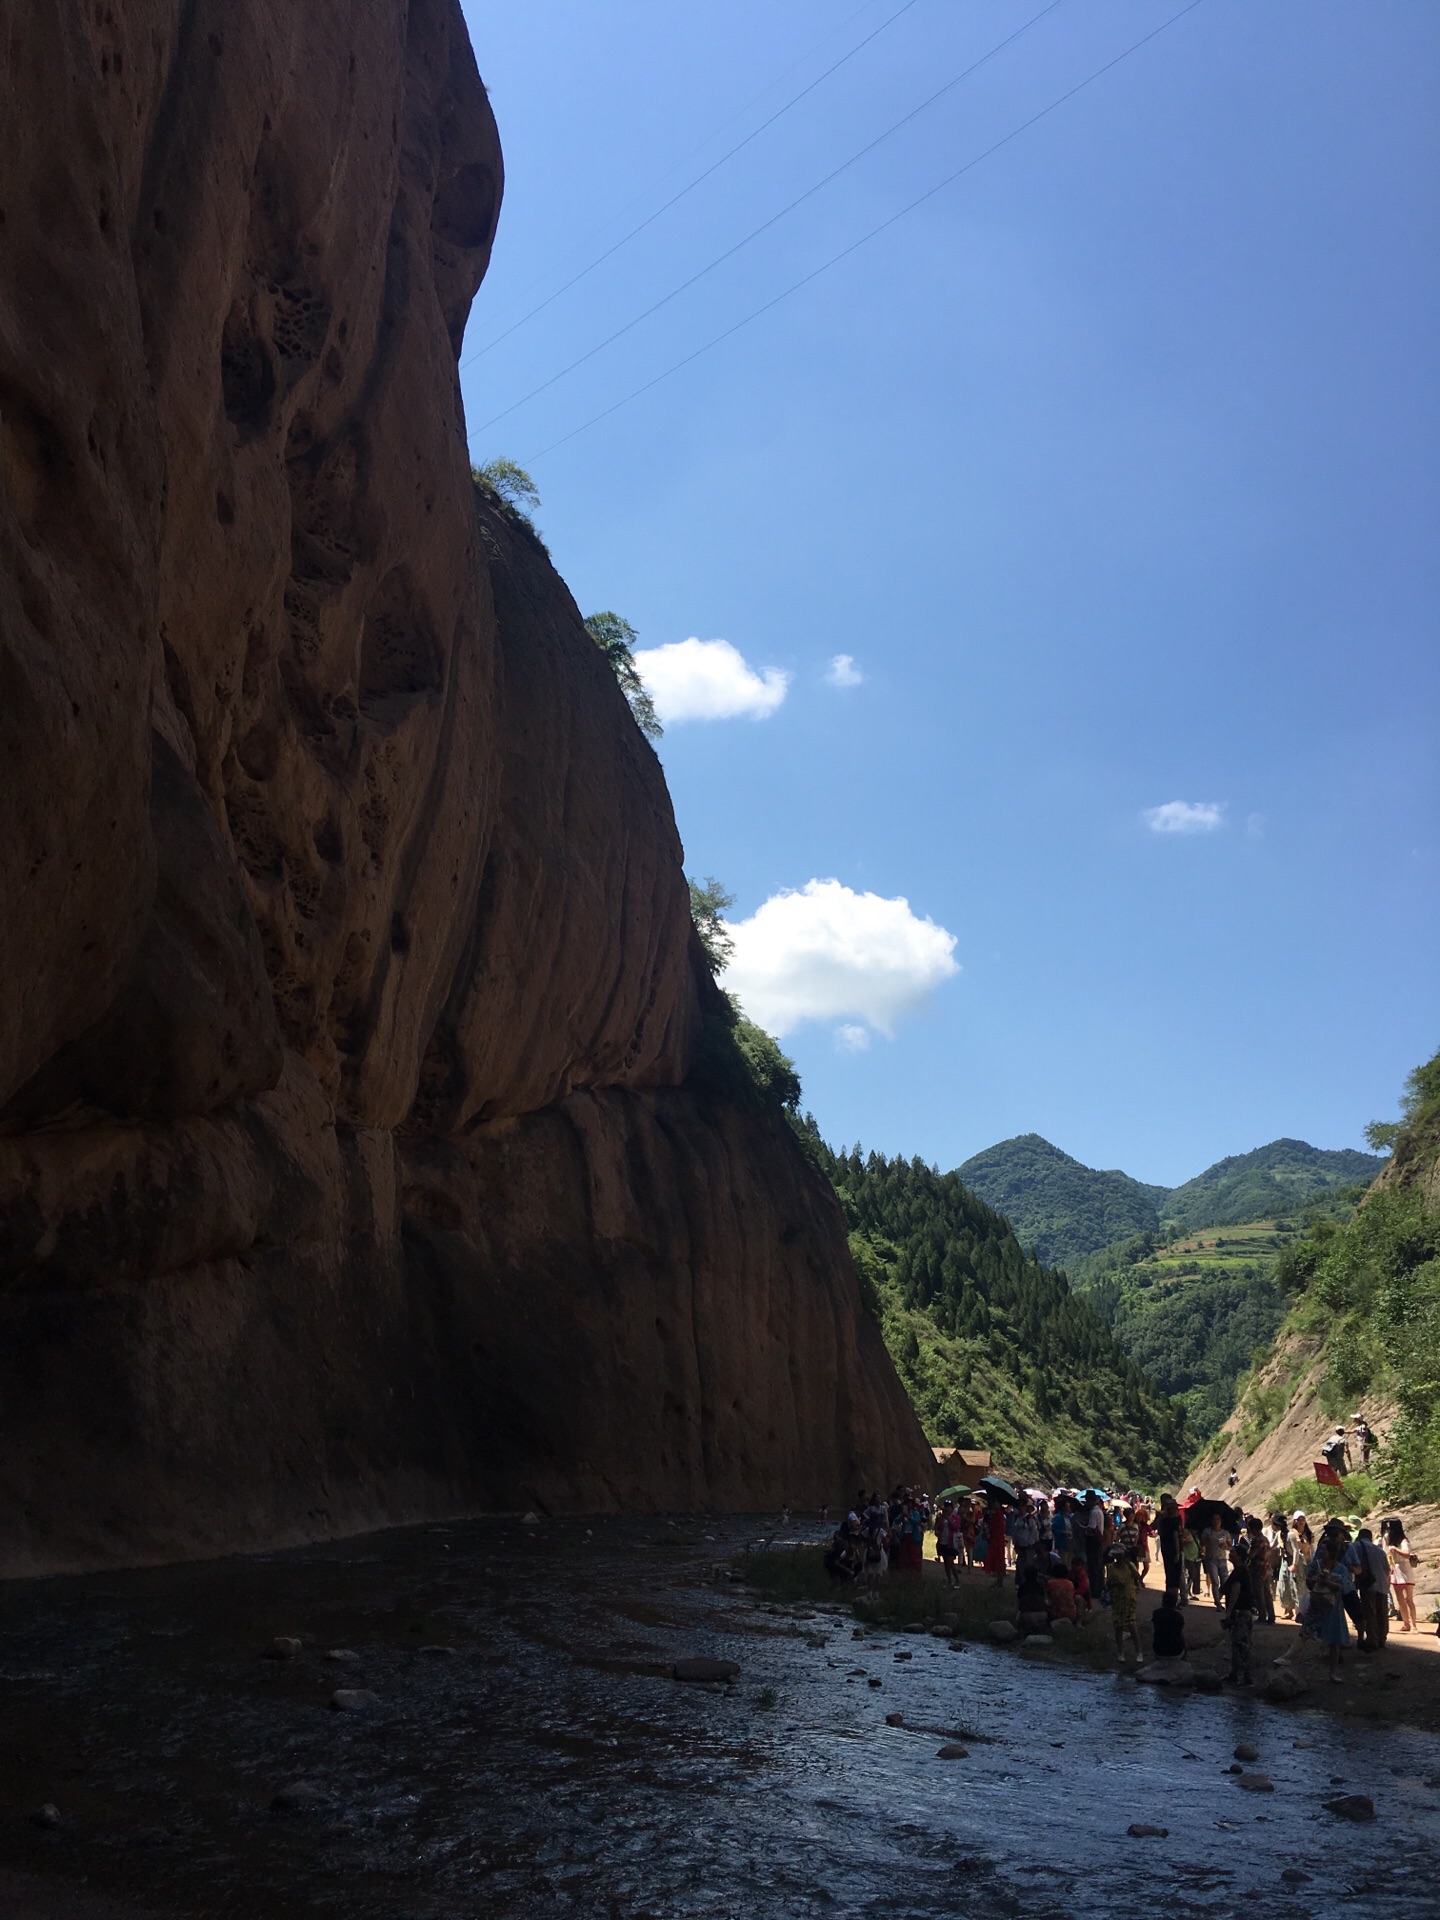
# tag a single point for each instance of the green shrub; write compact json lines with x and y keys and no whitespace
{"x":1357,"y":1493}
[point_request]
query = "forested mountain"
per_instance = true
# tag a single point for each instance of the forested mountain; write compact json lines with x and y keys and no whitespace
{"x":1066,"y":1211}
{"x":1187,"y":1307}
{"x":1275,"y":1180}
{"x":1060,"y":1208}
{"x":994,"y":1347}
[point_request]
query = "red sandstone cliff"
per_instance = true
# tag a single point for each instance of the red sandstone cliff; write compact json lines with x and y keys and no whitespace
{"x":348,"y":1167}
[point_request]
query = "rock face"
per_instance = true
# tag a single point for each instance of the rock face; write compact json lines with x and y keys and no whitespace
{"x":352,"y":1164}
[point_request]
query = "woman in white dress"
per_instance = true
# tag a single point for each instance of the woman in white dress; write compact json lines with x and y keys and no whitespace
{"x":1403,"y":1564}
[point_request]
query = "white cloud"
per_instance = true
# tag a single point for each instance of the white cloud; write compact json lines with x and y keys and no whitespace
{"x":828,"y":953}
{"x":708,"y":680}
{"x":1186,"y":816}
{"x":843,"y":672}
{"x":852,"y":1039}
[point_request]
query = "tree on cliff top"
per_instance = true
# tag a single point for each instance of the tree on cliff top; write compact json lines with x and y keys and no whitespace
{"x":615,"y":637}
{"x":508,"y":491}
{"x":511,"y":482}
{"x":708,"y":901}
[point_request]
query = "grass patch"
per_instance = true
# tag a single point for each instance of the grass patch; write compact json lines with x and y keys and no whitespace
{"x":793,"y":1576}
{"x":1261,"y":1410}
{"x":1357,"y":1493}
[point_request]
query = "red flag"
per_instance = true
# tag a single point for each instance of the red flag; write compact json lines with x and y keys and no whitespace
{"x":1326,"y":1474}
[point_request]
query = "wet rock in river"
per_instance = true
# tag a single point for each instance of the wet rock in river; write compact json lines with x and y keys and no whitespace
{"x":1139,"y":1831}
{"x":1256,"y":1783}
{"x":283,"y":1647}
{"x":914,"y":1626}
{"x":353,"y":1699}
{"x":894,"y":1719}
{"x":47,"y":1816}
{"x":904,"y":1654}
{"x":1004,"y":1631}
{"x":1294,"y":1876}
{"x":1284,"y":1685}
{"x":1352,"y":1806}
{"x":1168,"y":1672}
{"x":343,"y":1656}
{"x":952,"y":1750}
{"x":873,"y":1681}
{"x":1242,"y":1752}
{"x":701,"y":1667}
{"x":438,"y":1651}
{"x":1038,"y":1640}
{"x":302,"y":1796}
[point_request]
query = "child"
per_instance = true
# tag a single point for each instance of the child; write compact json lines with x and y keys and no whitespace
{"x":1122,"y":1583}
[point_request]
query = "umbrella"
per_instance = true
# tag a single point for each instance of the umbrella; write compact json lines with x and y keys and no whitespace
{"x":1001,"y":1489}
{"x":951,"y":1493}
{"x":1199,"y":1512}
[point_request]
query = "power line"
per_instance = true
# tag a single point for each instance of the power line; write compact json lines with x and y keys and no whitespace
{"x":538,"y":279}
{"x":766,"y":225}
{"x":690,"y":187}
{"x":855,"y":245}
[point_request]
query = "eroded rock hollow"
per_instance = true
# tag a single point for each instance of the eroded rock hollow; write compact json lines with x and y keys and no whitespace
{"x":353,"y":1167}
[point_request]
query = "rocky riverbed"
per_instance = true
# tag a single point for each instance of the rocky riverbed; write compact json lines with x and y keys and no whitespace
{"x":484,"y":1720}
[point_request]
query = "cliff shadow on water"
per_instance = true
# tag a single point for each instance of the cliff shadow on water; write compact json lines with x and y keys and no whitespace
{"x":353,"y":1167}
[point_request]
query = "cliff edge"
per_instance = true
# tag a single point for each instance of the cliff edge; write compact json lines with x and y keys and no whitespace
{"x":351,"y":1165}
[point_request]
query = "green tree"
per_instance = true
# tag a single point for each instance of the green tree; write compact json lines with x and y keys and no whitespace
{"x":708,"y":901}
{"x":615,"y":637}
{"x":511,"y":483}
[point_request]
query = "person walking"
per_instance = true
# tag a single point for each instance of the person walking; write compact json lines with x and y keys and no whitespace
{"x":1189,"y":1561}
{"x":1239,"y":1597}
{"x":947,"y":1540}
{"x":1167,"y":1531}
{"x":1369,"y":1567}
{"x":1122,"y":1583}
{"x":1328,"y":1581}
{"x":1403,"y":1565}
{"x":1094,"y":1543}
{"x":1259,"y":1552}
{"x":1215,"y":1544}
{"x":1284,"y":1549}
{"x":995,"y":1541}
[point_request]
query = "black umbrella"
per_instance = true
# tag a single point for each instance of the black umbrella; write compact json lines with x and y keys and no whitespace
{"x":1200,"y":1513}
{"x":1001,"y":1489}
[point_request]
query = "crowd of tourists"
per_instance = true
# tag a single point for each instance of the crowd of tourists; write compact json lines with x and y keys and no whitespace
{"x":1072,"y":1551}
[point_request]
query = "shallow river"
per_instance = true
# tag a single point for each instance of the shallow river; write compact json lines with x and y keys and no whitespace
{"x":547,"y":1765}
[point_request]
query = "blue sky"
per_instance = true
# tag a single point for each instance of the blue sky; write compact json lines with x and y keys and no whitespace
{"x":1114,"y":467}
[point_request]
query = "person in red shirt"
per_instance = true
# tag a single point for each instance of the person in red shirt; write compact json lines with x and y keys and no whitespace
{"x":1060,"y":1600}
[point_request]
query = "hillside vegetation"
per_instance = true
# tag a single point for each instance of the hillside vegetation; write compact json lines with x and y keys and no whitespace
{"x":992,"y":1345}
{"x":1365,"y":1296}
{"x":1194,"y":1311}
